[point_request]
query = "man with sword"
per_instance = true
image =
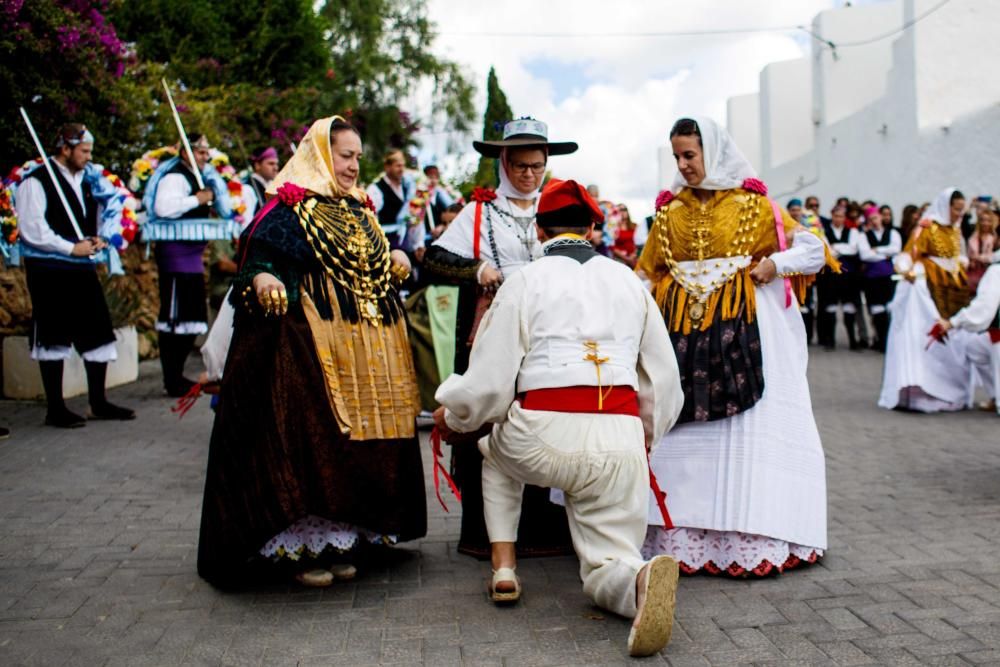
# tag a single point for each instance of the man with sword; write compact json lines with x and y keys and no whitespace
{"x":59,"y":216}
{"x":184,"y":188}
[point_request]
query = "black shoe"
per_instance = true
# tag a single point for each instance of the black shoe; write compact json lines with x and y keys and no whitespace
{"x":4,"y":433}
{"x":111,"y":412}
{"x":65,"y":419}
{"x":182,"y":387}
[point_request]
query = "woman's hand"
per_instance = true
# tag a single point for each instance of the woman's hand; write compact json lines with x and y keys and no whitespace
{"x":764,"y":272}
{"x":490,"y":277}
{"x":399,"y":265}
{"x":271,"y":294}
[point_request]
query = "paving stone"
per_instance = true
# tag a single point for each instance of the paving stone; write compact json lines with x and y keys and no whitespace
{"x":97,"y":560}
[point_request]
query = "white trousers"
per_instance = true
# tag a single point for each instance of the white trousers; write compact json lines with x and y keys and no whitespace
{"x":984,"y":356}
{"x":599,"y":461}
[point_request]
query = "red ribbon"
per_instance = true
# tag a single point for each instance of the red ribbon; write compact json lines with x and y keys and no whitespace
{"x":661,"y":497}
{"x":439,"y":469}
{"x":187,"y":401}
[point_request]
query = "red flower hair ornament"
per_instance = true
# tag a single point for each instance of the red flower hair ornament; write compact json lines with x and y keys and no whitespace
{"x":664,"y":198}
{"x":291,"y":194}
{"x":483,"y":195}
{"x":755,"y":185}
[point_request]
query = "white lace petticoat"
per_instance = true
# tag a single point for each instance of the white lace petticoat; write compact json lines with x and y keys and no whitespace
{"x":726,"y":551}
{"x":312,"y":535}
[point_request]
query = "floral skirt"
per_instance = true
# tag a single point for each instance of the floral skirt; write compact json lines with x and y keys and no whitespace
{"x":727,"y":552}
{"x":312,"y":535}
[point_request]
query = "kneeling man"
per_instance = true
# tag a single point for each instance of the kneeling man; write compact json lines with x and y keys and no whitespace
{"x":574,"y":366}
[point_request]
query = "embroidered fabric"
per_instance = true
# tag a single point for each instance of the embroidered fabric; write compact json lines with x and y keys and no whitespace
{"x":310,"y":536}
{"x":715,"y":551}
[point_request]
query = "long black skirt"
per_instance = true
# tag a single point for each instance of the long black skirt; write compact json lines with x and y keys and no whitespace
{"x":276,"y":456}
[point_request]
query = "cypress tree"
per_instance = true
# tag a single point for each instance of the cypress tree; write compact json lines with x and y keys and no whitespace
{"x":497,"y":113}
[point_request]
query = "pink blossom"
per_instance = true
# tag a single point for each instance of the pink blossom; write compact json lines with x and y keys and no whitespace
{"x":291,"y":194}
{"x":664,"y":198}
{"x":755,"y":185}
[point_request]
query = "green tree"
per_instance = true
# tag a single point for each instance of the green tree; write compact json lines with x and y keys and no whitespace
{"x":252,"y":72}
{"x":497,"y":113}
{"x":62,"y":60}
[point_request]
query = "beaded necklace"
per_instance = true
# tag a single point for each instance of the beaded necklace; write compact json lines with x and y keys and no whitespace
{"x":740,"y":246}
{"x":354,"y":252}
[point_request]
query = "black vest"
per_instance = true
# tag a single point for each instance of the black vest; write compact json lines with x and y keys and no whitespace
{"x":55,"y":214}
{"x":391,"y":203}
{"x":203,"y":211}
{"x":874,"y":240}
{"x":831,"y":236}
{"x":259,"y":190}
{"x":437,"y":208}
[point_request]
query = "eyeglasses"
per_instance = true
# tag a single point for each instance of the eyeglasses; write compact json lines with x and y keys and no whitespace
{"x":523,"y":168}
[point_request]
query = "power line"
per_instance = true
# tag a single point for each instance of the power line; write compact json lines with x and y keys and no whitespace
{"x":696,"y":33}
{"x":906,"y":24}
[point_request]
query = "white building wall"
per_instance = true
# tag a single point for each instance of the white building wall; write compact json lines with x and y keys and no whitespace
{"x":851,"y":77}
{"x":743,"y":122}
{"x":934,"y":123}
{"x":786,"y":127}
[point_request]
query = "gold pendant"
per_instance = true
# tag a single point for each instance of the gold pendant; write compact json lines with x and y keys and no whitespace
{"x":696,"y":311}
{"x":372,"y":310}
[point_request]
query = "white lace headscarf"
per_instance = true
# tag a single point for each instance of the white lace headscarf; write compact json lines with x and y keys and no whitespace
{"x":940,"y":209}
{"x":725,"y":165}
{"x":507,"y":188}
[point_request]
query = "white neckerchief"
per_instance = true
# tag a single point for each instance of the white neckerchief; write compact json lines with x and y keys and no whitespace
{"x":725,"y":165}
{"x":507,"y":188}
{"x":940,"y":210}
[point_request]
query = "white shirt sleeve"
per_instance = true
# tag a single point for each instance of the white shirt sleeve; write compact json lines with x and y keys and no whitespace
{"x":848,"y":247}
{"x":34,"y":228}
{"x":457,"y":238}
{"x":894,"y":247}
{"x":173,"y":198}
{"x":979,"y":314}
{"x":660,"y":395}
{"x":250,"y":200}
{"x":376,"y":196}
{"x":484,"y":393}
{"x":806,"y":256}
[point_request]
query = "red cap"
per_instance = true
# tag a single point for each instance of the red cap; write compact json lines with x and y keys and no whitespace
{"x":559,"y":194}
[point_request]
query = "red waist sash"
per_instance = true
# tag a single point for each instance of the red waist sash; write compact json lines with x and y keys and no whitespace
{"x":994,"y":335}
{"x":598,"y":400}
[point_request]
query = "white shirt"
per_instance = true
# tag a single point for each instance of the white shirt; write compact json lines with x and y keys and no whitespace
{"x":516,"y":244}
{"x":173,"y":196}
{"x":850,"y":245}
{"x":534,"y":335}
{"x":979,"y":314}
{"x":31,"y":205}
{"x":376,"y":194}
{"x":880,"y":252}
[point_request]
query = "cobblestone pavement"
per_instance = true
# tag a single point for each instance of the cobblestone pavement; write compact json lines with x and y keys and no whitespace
{"x":98,"y":531}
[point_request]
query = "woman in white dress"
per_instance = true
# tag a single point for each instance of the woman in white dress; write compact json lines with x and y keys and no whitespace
{"x":918,"y":377}
{"x":744,"y":470}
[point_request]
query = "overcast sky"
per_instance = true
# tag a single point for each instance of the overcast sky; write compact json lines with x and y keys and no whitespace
{"x":616,"y":96}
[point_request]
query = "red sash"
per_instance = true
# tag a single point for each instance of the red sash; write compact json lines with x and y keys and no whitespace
{"x":616,"y":400}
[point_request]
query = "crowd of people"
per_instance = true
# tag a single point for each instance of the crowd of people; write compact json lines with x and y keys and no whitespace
{"x":631,"y":391}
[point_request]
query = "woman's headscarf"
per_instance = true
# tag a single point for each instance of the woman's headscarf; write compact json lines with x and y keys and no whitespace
{"x":311,"y":167}
{"x":725,"y":165}
{"x":940,"y":209}
{"x":507,"y":188}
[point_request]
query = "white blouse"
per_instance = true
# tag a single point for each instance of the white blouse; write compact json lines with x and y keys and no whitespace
{"x":508,"y":240}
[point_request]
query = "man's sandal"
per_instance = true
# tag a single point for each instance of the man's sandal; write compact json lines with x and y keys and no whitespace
{"x":343,"y":571}
{"x":505,"y":575}
{"x":654,"y":619}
